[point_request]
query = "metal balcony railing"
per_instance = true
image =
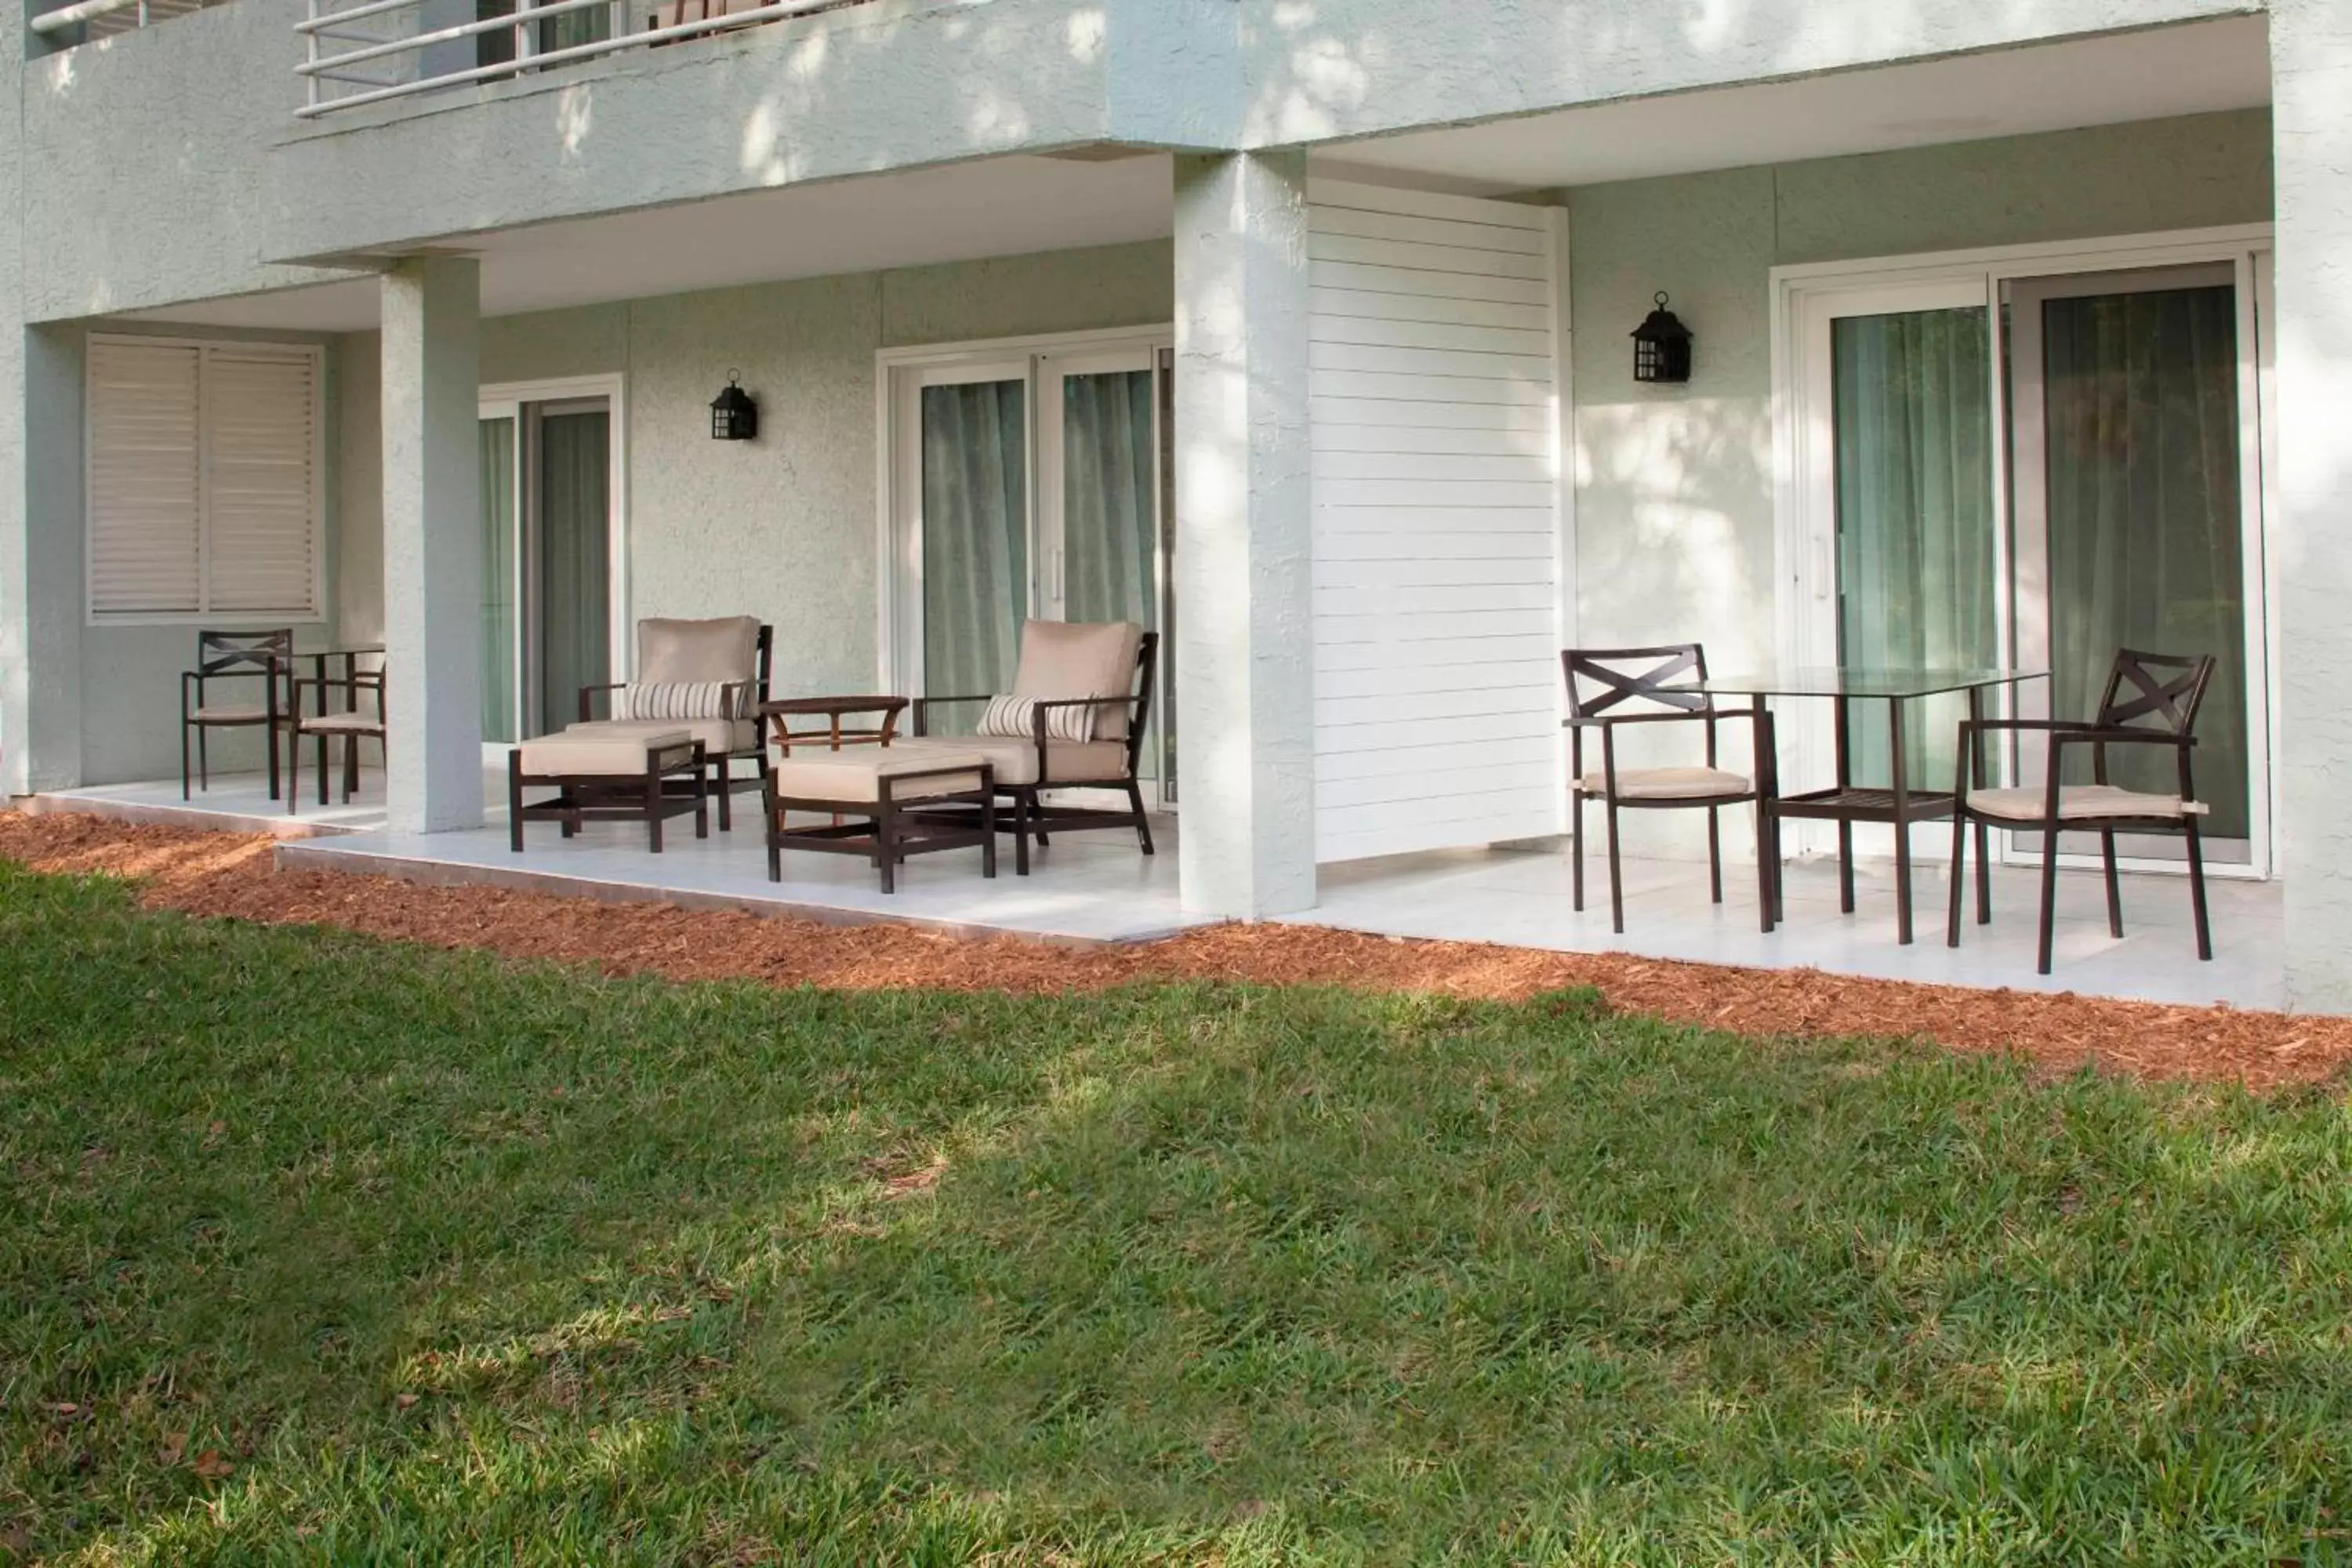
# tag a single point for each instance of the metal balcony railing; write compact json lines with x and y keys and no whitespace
{"x":360,"y":52}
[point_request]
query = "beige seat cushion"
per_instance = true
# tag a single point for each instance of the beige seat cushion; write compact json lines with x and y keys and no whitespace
{"x":1069,"y":761}
{"x":1667,"y":784}
{"x":2078,"y":802}
{"x":575,"y":756}
{"x":231,"y":713}
{"x":1078,"y":659}
{"x":673,"y":652}
{"x":855,"y":777}
{"x":363,"y":722}
{"x":719,"y":737}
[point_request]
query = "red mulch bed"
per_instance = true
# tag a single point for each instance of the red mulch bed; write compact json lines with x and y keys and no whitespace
{"x":231,"y":875}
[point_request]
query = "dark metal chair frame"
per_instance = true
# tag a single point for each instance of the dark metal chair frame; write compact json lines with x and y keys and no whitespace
{"x":2164,"y":689}
{"x":236,"y":655}
{"x":671,"y":785}
{"x":353,"y":681}
{"x":1031,"y":815}
{"x":1656,"y":682}
{"x":722,"y":784}
{"x":891,"y":830}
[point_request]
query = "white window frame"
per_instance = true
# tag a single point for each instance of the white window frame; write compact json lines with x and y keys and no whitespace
{"x":1804,"y":515}
{"x":315,"y":613}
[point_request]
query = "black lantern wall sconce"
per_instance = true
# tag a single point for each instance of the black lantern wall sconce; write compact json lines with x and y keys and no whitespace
{"x":733,"y":415}
{"x":1662,"y":346}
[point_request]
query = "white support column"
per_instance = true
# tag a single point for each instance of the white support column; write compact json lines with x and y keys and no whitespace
{"x":432,"y":544}
{"x":41,"y":595}
{"x":2311,"y":523}
{"x":1245,"y":626}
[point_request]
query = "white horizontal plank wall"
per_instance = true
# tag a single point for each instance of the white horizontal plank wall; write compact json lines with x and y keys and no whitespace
{"x":1435,"y":390}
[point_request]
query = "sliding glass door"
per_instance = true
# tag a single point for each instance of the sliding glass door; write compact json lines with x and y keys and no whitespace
{"x":1029,"y":486}
{"x":2035,"y":471}
{"x":2129,"y":502}
{"x":547,"y":561}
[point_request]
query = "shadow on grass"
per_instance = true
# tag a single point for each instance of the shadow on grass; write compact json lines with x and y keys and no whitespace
{"x":455,"y":1259}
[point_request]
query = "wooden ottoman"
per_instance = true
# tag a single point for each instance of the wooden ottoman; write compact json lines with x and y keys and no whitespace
{"x":883,"y":788}
{"x":609,"y":777}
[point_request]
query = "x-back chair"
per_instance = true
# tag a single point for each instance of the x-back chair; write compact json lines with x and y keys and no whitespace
{"x":2151,"y":700}
{"x":1609,"y":689}
{"x":235,"y":656}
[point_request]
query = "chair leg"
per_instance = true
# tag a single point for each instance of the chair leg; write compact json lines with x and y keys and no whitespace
{"x":1142,"y":823}
{"x":726,"y":788}
{"x":2049,"y":897}
{"x":702,"y":803}
{"x":351,"y":767}
{"x":652,"y":810}
{"x":1960,"y":877}
{"x":1575,"y":850}
{"x":2114,"y":888}
{"x":1715,"y":851}
{"x":204,"y":757}
{"x":988,"y":831}
{"x":1616,"y":877}
{"x":1024,"y":802}
{"x":273,"y":760}
{"x":885,"y":845}
{"x":514,"y":801}
{"x":1767,"y":871}
{"x":349,"y":755}
{"x":294,"y":774}
{"x":2196,"y":890}
{"x":184,"y":728}
{"x":1984,"y":874}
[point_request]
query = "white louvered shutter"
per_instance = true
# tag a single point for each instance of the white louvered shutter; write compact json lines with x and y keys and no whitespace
{"x":145,"y":466}
{"x":260,"y":414}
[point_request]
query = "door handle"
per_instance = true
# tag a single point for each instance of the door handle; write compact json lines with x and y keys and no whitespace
{"x":1821,"y":569}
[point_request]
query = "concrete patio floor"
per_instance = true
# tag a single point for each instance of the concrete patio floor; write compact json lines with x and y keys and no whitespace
{"x":1096,"y":887}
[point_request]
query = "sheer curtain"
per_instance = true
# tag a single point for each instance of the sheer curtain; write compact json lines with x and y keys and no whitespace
{"x":1912,"y":397}
{"x":497,"y":580}
{"x":2145,"y":538}
{"x":575,"y":553}
{"x":975,"y":538}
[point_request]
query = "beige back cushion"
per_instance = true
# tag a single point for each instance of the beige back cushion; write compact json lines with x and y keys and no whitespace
{"x":684,"y":652}
{"x":1080,"y":659}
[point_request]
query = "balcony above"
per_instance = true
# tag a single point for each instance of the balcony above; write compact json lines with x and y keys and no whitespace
{"x":360,"y":52}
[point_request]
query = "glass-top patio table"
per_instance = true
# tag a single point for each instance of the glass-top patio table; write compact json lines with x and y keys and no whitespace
{"x":1899,"y":804}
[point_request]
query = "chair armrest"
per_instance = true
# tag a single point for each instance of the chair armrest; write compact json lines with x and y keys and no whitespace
{"x":1609,"y":721}
{"x":1039,"y":709}
{"x":2090,"y":734}
{"x":588,"y":698}
{"x":921,"y":708}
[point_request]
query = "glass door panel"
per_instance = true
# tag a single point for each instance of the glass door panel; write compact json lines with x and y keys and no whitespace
{"x":2131,"y":525}
{"x":501,"y":582}
{"x":1917,"y":570}
{"x":973,"y":538}
{"x":573,"y":551}
{"x":1105,"y":534}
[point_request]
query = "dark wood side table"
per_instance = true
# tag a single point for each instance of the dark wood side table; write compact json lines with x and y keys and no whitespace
{"x":878,"y":731}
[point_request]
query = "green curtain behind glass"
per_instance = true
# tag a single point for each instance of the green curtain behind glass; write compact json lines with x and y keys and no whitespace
{"x":1109,"y":527}
{"x":575,"y":544}
{"x":2145,"y":541}
{"x":975,"y":538}
{"x":1912,"y":397}
{"x":497,"y":580}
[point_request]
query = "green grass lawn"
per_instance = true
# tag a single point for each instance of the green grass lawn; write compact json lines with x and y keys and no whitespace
{"x":450,"y":1259}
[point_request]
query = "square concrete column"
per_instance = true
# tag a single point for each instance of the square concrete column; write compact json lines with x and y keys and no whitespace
{"x":2311,"y":523}
{"x":432,"y":544}
{"x":41,"y":549}
{"x":1245,"y":624}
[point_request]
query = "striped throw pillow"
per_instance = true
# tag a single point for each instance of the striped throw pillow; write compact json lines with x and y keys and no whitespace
{"x":676,"y":700}
{"x":1015,"y":716}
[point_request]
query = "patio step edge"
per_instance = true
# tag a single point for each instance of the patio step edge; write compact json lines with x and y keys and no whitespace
{"x":192,"y":814}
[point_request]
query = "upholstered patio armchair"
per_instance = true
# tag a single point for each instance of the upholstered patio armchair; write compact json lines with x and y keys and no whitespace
{"x":1077,"y":718}
{"x":2151,"y":700}
{"x":706,"y":676}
